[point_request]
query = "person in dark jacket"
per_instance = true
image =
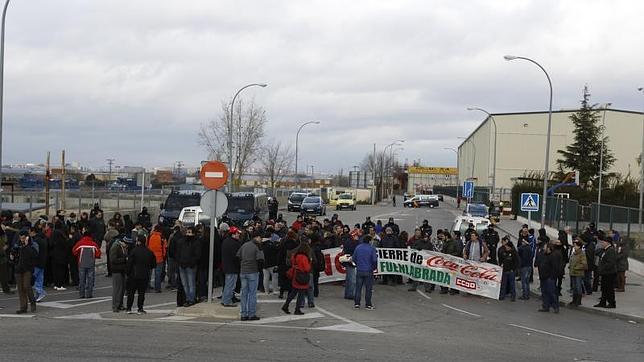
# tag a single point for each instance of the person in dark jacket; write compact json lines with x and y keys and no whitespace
{"x":622,"y":265}
{"x":300,"y":264}
{"x":118,"y":259}
{"x":287,"y":245}
{"x":589,"y":249}
{"x":43,"y":255}
{"x":25,"y":258}
{"x":424,"y":243}
{"x":548,"y":265}
{"x":188,"y":253}
{"x":97,"y":228}
{"x":366,"y":259}
{"x":607,"y":269}
{"x":140,"y":263}
{"x":510,"y":264}
{"x":60,"y":254}
{"x":230,"y":265}
{"x":144,"y":219}
{"x":491,"y":238}
{"x":270,"y":246}
{"x":389,"y":240}
{"x":525,"y":267}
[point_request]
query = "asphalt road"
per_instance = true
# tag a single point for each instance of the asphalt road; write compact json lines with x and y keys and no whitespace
{"x":405,"y":325}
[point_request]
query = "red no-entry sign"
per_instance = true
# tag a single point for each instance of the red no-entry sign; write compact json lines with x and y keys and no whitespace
{"x":214,"y":175}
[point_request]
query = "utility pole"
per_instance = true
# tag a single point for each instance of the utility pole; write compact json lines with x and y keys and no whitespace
{"x":47,"y":185}
{"x":110,"y":161}
{"x":62,"y":182}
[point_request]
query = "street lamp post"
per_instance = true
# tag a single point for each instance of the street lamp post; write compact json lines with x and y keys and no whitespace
{"x":392,"y":153}
{"x":601,"y":165}
{"x":382,"y":182}
{"x":547,"y":163}
{"x":494,"y":157}
{"x":457,"y":178}
{"x":230,"y":131}
{"x":297,"y":138}
{"x":641,"y":89}
{"x":4,"y":15}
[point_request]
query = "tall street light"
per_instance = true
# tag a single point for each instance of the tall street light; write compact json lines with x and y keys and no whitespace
{"x":457,"y":180}
{"x":473,"y":156}
{"x":601,"y":164}
{"x":546,"y":168}
{"x":392,"y":154}
{"x":641,"y":89}
{"x":382,"y":183}
{"x":4,"y":15}
{"x":495,"y":137}
{"x":230,"y":131}
{"x":297,"y":138}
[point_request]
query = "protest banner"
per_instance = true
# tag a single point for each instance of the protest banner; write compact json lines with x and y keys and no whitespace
{"x":427,"y":267}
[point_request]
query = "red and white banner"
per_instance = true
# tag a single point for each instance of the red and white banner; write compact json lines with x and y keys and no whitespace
{"x":427,"y":267}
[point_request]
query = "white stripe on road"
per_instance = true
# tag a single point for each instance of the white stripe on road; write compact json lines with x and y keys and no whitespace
{"x":286,"y":318}
{"x":460,"y":310}
{"x":424,"y":295}
{"x":548,"y":333}
{"x":55,"y":293}
{"x":17,"y":315}
{"x":60,"y":305}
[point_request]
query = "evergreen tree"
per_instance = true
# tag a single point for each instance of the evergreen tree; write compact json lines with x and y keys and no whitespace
{"x":584,"y":153}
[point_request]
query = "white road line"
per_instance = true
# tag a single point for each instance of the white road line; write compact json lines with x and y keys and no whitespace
{"x":424,"y":295}
{"x":548,"y":333}
{"x":460,"y":310}
{"x":286,"y":318}
{"x":55,"y":293}
{"x":334,"y":315}
{"x":351,"y":326}
{"x":60,"y":305}
{"x":17,"y":315}
{"x":159,"y":305}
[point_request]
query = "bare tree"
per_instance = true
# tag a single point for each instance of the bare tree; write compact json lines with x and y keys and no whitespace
{"x":276,"y":162}
{"x":247,"y":128}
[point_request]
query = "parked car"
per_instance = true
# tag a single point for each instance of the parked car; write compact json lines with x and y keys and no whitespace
{"x":313,"y":205}
{"x":476,"y":210}
{"x":440,"y":197}
{"x":422,"y":200}
{"x":461,"y":224}
{"x":345,"y":201}
{"x":295,"y":200}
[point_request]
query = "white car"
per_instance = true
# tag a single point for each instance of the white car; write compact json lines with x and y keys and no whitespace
{"x":193,"y":216}
{"x":461,"y":223}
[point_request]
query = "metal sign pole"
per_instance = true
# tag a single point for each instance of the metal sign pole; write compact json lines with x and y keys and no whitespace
{"x":529,"y":219}
{"x":211,"y":258}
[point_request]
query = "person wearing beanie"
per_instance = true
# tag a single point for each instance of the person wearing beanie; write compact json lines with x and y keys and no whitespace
{"x":118,"y":260}
{"x":140,"y":263}
{"x":509,"y":260}
{"x":24,"y":259}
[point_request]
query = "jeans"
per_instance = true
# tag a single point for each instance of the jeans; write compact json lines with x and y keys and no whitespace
{"x":229,"y":286}
{"x":350,"y":283}
{"x":577,"y":285}
{"x":172,"y":272}
{"x":549,"y":295}
{"x":309,"y":293}
{"x":270,"y":280}
{"x":300,"y":298}
{"x":248,"y":293}
{"x":158,"y":271}
{"x":86,"y":282}
{"x":525,"y":281}
{"x":118,"y":290}
{"x":588,"y":285}
{"x":508,"y":282}
{"x":39,"y":275}
{"x":188,"y":281}
{"x":366,"y":279}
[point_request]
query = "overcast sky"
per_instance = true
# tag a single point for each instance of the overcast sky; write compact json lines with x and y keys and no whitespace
{"x":134,"y":79}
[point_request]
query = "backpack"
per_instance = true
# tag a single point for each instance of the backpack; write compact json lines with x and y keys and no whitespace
{"x":320,"y":263}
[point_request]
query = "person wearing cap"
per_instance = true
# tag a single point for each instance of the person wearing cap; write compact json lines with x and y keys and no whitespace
{"x":188,"y":253}
{"x":38,"y":240}
{"x":607,"y":269}
{"x":491,"y":238}
{"x":389,"y":241}
{"x":118,"y":260}
{"x":230,"y":265}
{"x":525,"y":266}
{"x":548,"y":264}
{"x":394,"y":227}
{"x":24,"y":259}
{"x":367,"y":224}
{"x":578,"y":266}
{"x":425,"y":228}
{"x":510,"y":264}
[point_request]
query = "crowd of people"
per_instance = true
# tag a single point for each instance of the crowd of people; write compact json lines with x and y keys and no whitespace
{"x":274,"y":257}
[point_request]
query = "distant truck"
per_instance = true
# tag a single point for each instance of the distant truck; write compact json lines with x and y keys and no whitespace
{"x":175,"y":202}
{"x":246,"y":206}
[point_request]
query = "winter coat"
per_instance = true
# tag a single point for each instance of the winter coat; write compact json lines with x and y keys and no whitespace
{"x":423,"y":244}
{"x":622,"y":258}
{"x":157,"y":246}
{"x":389,"y":241}
{"x":301,"y":263}
{"x":366,"y":258}
{"x":43,"y":250}
{"x":548,"y":265}
{"x":27,"y":259}
{"x":140,"y":263}
{"x":608,"y":262}
{"x":229,"y":261}
{"x":118,"y":257}
{"x":525,"y":255}
{"x":59,"y":246}
{"x":578,"y":264}
{"x":271,"y":251}
{"x":86,"y":251}
{"x":97,"y":228}
{"x":510,"y":260}
{"x":559,"y":270}
{"x":188,"y":252}
{"x":450,"y":247}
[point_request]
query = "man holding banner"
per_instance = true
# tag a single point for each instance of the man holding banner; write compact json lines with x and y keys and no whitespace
{"x":365,"y":257}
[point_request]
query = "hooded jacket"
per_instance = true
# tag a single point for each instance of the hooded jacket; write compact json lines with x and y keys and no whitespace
{"x":86,"y":251}
{"x":157,"y":246}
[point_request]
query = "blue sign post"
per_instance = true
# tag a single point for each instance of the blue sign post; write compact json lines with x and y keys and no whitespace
{"x":529,"y":203}
{"x":468,"y":189}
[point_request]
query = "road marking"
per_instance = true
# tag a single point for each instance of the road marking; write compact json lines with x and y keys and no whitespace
{"x":81,"y":316}
{"x":286,"y":318}
{"x":424,"y":295}
{"x":275,"y":301}
{"x":55,"y":293}
{"x":548,"y":333}
{"x":160,"y":305}
{"x":460,"y":310}
{"x":351,"y":326}
{"x":17,"y":315}
{"x":160,"y":311}
{"x":176,"y":318}
{"x":62,"y":305}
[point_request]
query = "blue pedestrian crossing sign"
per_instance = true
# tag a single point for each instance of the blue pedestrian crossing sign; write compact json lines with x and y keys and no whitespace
{"x":529,"y":202}
{"x":468,"y":189}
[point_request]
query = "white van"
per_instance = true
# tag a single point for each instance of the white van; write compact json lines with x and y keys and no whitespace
{"x":461,"y":224}
{"x":193,"y":216}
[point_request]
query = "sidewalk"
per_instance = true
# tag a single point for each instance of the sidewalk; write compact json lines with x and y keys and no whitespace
{"x":630,"y":304}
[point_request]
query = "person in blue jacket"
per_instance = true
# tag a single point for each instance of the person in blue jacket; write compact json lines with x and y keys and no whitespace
{"x":365,"y":257}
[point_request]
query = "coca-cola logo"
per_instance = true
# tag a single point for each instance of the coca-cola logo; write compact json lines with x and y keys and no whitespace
{"x":467,"y":284}
{"x":470,"y":270}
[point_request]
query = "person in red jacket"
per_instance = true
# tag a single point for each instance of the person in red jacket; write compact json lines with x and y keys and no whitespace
{"x":158,"y":245}
{"x":86,"y":251}
{"x":299,"y":274}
